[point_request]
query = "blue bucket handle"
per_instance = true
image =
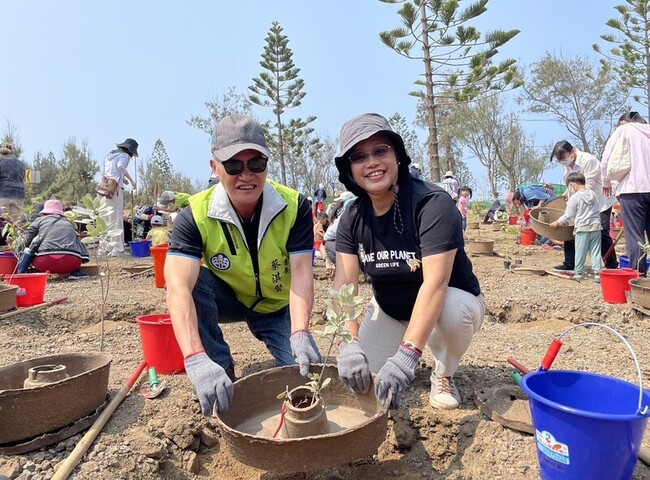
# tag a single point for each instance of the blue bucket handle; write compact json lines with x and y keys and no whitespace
{"x":641,"y":410}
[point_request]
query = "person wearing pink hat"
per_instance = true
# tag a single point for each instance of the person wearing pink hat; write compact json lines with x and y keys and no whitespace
{"x":53,"y":243}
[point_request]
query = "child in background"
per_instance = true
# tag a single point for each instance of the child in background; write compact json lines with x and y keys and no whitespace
{"x":158,"y":234}
{"x":584,"y":208}
{"x":463,"y":205}
{"x":319,"y":233}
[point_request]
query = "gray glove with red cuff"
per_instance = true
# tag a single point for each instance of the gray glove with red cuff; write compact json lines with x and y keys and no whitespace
{"x":396,"y":375}
{"x":305,"y":350}
{"x":213,"y":386}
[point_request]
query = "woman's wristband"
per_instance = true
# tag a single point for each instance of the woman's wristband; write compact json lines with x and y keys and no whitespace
{"x":412,"y":346}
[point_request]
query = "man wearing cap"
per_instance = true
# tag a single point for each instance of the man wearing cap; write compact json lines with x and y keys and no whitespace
{"x":116,"y":164}
{"x":171,"y":201}
{"x":255,"y":238}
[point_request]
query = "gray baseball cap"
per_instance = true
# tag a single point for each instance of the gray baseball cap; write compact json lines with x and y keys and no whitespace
{"x":236,"y":133}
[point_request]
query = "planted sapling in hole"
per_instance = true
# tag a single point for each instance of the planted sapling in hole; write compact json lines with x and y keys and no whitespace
{"x":342,"y":307}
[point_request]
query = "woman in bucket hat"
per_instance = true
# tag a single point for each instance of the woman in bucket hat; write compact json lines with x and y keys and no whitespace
{"x":407,"y":234}
{"x":116,"y":173}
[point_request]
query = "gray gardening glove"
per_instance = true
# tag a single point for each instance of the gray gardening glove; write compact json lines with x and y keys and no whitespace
{"x":353,"y":367}
{"x":213,"y":386}
{"x":305,"y":350}
{"x":395,"y":376}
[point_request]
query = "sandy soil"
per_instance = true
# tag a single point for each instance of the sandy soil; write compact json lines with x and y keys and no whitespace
{"x":168,"y":438}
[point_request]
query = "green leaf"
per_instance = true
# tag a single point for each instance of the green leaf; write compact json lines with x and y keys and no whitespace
{"x":326,"y":382}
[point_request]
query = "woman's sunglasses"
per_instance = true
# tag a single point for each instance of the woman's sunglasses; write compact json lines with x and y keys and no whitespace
{"x":379,"y":151}
{"x":236,"y":167}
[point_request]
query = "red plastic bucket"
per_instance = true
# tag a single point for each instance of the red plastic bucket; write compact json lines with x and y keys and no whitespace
{"x":513,"y":220}
{"x":159,"y":254}
{"x":528,"y":236}
{"x":159,"y":344}
{"x":615,"y":283}
{"x":8,"y":262}
{"x":34,"y":285}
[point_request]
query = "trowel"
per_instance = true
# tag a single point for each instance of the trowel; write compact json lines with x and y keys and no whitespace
{"x":155,"y":387}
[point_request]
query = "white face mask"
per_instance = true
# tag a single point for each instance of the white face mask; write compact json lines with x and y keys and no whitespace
{"x":566,"y":162}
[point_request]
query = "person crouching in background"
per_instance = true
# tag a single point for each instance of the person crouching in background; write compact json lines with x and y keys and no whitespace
{"x":53,"y":242}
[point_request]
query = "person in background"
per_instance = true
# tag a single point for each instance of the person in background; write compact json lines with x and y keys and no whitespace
{"x":255,"y":238}
{"x":529,"y":197}
{"x":583,"y":208}
{"x":319,"y":199}
{"x":319,"y":232}
{"x":451,"y":185}
{"x":12,"y":182}
{"x":574,"y":160}
{"x":158,"y":233}
{"x":213,"y":180}
{"x":54,"y":244}
{"x":424,"y":291}
{"x":463,"y":206}
{"x":416,"y":170}
{"x":633,"y":190}
{"x":495,"y":213}
{"x":116,"y":166}
{"x":169,"y":201}
{"x":345,"y":199}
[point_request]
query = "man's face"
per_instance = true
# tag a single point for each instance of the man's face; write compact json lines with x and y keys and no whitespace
{"x":243,"y":187}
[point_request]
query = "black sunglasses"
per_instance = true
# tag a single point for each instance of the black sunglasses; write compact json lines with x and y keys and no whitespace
{"x":236,"y":167}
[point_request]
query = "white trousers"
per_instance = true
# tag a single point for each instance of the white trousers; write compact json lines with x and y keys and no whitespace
{"x":117,"y":202}
{"x":461,"y":317}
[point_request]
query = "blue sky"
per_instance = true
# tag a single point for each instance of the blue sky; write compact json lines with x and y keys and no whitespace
{"x":104,"y":71}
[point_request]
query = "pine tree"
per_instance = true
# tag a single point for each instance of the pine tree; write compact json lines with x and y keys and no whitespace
{"x":630,"y":54}
{"x":231,"y":102}
{"x":278,"y":87}
{"x":76,"y":174}
{"x":458,"y":62}
{"x":47,"y":166}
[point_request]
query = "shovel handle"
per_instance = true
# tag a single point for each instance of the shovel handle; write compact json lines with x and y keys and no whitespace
{"x":551,"y":353}
{"x":67,"y":465}
{"x":153,"y":377}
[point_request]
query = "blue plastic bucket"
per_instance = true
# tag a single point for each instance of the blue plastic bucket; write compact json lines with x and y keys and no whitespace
{"x":141,"y":248}
{"x":586,"y":425}
{"x":624,"y":261}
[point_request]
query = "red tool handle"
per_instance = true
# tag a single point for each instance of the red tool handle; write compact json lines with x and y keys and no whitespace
{"x":551,"y":353}
{"x":520,"y":368}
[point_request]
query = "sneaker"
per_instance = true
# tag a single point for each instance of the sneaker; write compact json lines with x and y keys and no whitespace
{"x":578,"y":278}
{"x":76,"y":275}
{"x":596,"y":278}
{"x":563,"y":268}
{"x":444,"y":393}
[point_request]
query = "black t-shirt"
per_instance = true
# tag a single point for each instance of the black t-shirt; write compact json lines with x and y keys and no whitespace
{"x":186,"y":237}
{"x":431,"y":225}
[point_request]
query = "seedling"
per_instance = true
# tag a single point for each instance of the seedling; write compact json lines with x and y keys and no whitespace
{"x":343,"y":307}
{"x":100,"y":234}
{"x":514,"y":231}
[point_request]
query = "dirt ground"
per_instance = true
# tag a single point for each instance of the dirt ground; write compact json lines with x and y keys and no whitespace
{"x":168,"y":438}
